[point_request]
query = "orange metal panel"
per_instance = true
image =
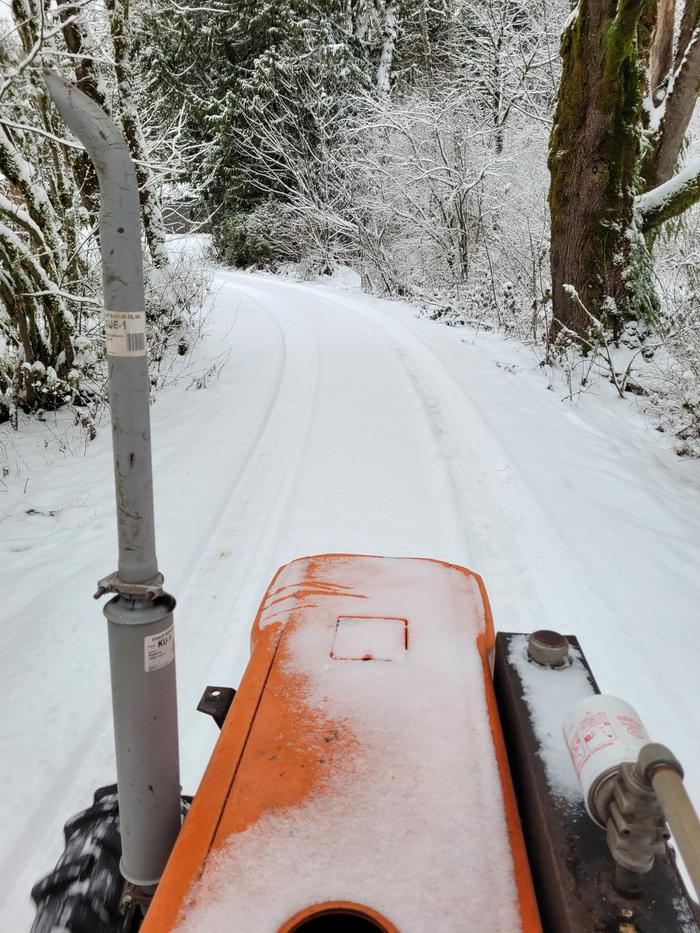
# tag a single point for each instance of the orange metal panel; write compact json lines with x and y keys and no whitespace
{"x":277,"y":750}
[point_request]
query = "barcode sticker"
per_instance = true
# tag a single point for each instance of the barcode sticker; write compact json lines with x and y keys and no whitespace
{"x":159,"y":650}
{"x":125,"y":333}
{"x":135,"y":342}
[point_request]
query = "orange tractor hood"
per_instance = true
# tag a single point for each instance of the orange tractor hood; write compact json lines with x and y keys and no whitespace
{"x":361,"y":768}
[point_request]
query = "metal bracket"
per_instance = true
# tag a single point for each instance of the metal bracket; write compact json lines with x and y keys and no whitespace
{"x":216,"y":702}
{"x":146,"y":591}
{"x":133,"y":906}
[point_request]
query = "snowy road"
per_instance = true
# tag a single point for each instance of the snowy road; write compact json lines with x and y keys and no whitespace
{"x":337,"y":423}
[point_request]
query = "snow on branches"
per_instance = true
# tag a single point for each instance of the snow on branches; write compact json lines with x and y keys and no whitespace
{"x":50,"y":329}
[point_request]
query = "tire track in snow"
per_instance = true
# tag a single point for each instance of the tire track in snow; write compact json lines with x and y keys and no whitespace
{"x":257,"y":499}
{"x":479,"y":476}
{"x":273,"y":399}
{"x":475,"y":465}
{"x":57,"y":803}
{"x":493,"y":547}
{"x":223,"y":590}
{"x":514,"y":557}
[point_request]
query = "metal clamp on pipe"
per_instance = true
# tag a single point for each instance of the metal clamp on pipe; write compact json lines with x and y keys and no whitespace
{"x":636,"y":830}
{"x":148,"y":590}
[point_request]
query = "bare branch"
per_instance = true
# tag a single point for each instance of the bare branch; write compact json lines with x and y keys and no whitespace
{"x":680,"y":104}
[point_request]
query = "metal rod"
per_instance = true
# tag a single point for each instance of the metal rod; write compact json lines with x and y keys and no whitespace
{"x":141,"y":634}
{"x":681,"y":817}
{"x":659,"y":767}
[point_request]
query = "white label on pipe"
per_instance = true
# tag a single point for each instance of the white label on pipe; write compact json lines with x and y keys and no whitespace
{"x":159,"y":650}
{"x":125,"y":333}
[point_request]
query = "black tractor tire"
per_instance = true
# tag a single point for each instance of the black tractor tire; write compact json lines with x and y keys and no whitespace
{"x":83,"y":894}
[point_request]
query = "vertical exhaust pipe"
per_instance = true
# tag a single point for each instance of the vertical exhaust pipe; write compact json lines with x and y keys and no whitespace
{"x":140,"y":616}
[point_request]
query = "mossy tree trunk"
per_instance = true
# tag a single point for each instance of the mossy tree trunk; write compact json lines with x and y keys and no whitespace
{"x":593,"y":161}
{"x":623,"y":109}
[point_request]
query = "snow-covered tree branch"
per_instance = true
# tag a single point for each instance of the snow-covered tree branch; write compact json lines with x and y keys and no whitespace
{"x":671,"y":199}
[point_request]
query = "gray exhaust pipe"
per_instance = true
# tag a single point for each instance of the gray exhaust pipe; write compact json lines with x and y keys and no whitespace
{"x":140,"y":616}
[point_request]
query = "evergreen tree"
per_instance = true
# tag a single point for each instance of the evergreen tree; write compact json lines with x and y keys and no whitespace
{"x":216,"y":71}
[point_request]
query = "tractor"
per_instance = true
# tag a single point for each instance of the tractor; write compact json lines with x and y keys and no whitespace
{"x":388,"y":762}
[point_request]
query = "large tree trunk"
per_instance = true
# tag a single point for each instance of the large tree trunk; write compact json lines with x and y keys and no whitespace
{"x":88,"y":80}
{"x":609,"y":193}
{"x":593,"y":158}
{"x":151,"y":213}
{"x":388,"y":48}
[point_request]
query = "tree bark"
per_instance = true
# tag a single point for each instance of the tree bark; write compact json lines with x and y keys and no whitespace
{"x":151,"y":212}
{"x":360,"y":19}
{"x":689,"y":20}
{"x":661,"y":55}
{"x":88,"y":81}
{"x":680,"y":104}
{"x":388,"y":48}
{"x":427,"y":50}
{"x":593,"y":159}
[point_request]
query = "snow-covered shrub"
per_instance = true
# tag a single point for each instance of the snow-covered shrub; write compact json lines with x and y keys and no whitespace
{"x":50,"y":280}
{"x":443,"y":217}
{"x":419,"y":166}
{"x":671,"y":374}
{"x":44,"y":279}
{"x":659,"y":362}
{"x":264,"y":237}
{"x":175,"y":298}
{"x":240,"y":240}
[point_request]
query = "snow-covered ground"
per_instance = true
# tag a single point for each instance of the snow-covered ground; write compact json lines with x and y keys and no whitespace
{"x":342,"y":423}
